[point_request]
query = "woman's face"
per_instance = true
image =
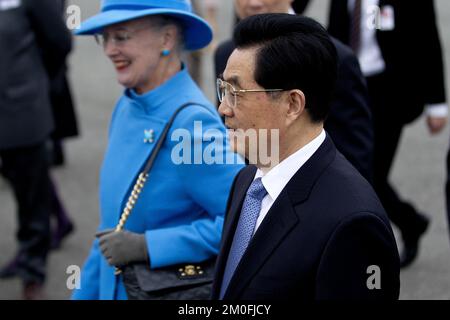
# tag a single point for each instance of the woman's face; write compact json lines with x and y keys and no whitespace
{"x":135,"y":47}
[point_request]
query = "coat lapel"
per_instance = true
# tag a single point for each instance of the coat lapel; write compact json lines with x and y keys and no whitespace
{"x":280,"y":219}
{"x":231,"y":220}
{"x":236,"y":205}
{"x":117,"y":180}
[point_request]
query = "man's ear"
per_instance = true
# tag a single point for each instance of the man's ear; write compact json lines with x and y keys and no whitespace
{"x":296,"y":104}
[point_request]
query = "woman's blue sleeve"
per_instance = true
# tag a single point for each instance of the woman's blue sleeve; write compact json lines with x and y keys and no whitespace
{"x":209,"y":186}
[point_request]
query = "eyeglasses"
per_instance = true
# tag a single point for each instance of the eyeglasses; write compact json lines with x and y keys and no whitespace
{"x":119,"y":38}
{"x":226,"y":92}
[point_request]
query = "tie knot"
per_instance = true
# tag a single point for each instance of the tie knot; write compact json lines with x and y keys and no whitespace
{"x":257,"y":190}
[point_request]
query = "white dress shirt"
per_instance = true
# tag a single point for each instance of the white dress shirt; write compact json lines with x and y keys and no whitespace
{"x":277,"y":178}
{"x":370,"y":57}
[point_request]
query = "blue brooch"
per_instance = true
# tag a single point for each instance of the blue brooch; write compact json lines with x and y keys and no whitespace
{"x":149,"y":136}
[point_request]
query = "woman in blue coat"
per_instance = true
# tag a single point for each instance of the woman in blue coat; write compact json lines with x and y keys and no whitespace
{"x":179,"y":215}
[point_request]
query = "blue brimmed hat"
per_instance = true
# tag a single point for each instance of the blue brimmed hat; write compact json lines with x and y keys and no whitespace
{"x":197,"y":32}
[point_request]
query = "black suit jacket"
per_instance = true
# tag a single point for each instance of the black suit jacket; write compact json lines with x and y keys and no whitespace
{"x":412,"y":53}
{"x":66,"y":124}
{"x":318,"y":239}
{"x":349,"y":122}
{"x":29,"y":32}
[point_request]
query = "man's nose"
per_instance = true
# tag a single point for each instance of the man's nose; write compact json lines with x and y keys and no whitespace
{"x":225,"y":110}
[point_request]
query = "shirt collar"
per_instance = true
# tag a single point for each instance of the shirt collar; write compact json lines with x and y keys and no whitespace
{"x":278,"y":177}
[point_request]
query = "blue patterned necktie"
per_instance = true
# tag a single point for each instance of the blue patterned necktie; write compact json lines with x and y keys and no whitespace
{"x":244,"y":231}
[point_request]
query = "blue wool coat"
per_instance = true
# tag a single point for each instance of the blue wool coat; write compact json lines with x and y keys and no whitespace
{"x":181,"y":207}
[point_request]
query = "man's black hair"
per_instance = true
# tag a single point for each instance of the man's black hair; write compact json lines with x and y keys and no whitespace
{"x":294,"y":52}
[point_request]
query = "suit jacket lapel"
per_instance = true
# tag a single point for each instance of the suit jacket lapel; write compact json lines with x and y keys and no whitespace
{"x":280,"y":219}
{"x":231,"y":220}
{"x":117,"y":180}
{"x":237,"y":202}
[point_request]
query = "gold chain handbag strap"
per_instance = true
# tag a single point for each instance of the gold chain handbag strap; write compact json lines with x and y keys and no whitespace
{"x":143,"y":176}
{"x":132,"y":200}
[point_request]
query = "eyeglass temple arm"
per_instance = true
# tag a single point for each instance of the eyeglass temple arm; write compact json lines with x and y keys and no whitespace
{"x":259,"y":90}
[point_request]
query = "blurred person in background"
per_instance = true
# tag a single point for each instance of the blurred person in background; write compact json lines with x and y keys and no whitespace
{"x":211,"y":9}
{"x":63,"y":107}
{"x":207,"y":9}
{"x":398,"y":46}
{"x":65,"y":126}
{"x":349,"y":122}
{"x":300,"y":6}
{"x":194,"y":58}
{"x":28,"y":29}
{"x":179,"y":215}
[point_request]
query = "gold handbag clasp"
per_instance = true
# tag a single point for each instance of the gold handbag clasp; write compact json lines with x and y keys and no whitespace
{"x":190,"y":271}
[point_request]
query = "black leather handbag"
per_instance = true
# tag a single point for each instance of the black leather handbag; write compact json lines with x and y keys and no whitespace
{"x":182,"y":282}
{"x":189,"y":281}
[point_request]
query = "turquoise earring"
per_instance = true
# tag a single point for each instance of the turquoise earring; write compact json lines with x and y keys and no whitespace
{"x":165,"y":52}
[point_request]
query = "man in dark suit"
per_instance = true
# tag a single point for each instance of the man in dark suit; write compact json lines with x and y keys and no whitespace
{"x":27,"y":29}
{"x":349,"y":122}
{"x":307,"y":225}
{"x":398,"y":47}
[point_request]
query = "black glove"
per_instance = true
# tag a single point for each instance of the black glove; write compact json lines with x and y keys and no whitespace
{"x":122,"y":247}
